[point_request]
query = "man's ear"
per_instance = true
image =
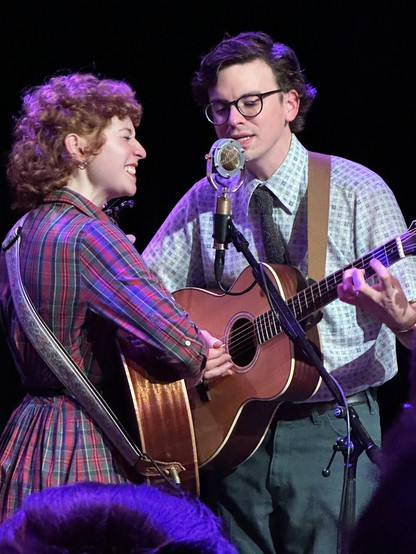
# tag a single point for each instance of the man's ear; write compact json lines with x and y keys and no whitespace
{"x":292,"y":104}
{"x":76,"y":147}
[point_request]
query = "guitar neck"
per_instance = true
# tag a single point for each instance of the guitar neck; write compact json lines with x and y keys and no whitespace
{"x":311,"y":299}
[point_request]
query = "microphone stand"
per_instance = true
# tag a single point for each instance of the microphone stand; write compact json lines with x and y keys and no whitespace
{"x":360,"y":439}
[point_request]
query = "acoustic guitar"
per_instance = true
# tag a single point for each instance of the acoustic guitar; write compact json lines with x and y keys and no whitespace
{"x":221,"y":426}
{"x":232,"y":415}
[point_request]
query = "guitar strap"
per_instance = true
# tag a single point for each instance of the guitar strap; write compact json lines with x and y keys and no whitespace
{"x":319,"y":175}
{"x":69,"y":374}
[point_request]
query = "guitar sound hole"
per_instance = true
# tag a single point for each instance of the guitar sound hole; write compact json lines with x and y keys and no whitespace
{"x":242,"y":343}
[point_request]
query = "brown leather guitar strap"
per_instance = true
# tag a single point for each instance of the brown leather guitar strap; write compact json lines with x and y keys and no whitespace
{"x":319,"y":174}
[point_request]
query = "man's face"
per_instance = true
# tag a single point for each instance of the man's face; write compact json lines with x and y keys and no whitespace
{"x":265,"y":137}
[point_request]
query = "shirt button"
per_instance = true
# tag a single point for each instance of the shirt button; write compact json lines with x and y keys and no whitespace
{"x":188,"y":343}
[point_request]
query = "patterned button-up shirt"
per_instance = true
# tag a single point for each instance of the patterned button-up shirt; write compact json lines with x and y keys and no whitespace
{"x":363,"y":214}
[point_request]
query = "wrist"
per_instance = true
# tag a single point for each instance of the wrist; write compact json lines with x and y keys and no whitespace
{"x":405,"y":329}
{"x":402,"y":331}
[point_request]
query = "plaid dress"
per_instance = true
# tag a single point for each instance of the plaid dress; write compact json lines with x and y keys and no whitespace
{"x":87,"y":281}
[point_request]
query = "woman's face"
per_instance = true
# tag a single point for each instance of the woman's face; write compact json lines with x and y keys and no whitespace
{"x":112,"y":172}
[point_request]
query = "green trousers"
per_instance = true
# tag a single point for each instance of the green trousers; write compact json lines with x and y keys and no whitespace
{"x":278,"y":501}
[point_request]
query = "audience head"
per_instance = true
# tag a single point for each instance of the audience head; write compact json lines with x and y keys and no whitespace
{"x":387,"y":525}
{"x":87,"y":518}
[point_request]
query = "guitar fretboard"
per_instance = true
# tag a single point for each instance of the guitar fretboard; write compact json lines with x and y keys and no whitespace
{"x":319,"y":294}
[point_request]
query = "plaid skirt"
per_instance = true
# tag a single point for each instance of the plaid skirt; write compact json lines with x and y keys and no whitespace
{"x":49,"y":441}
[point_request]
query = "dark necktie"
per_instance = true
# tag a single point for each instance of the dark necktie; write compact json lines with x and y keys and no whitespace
{"x":273,"y":241}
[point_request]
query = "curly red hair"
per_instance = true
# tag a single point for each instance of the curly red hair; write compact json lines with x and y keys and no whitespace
{"x":76,"y":103}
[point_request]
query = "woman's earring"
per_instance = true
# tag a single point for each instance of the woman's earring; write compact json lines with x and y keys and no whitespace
{"x":82,"y":165}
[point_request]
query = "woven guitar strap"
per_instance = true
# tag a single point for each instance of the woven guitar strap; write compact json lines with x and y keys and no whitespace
{"x":68,"y":373}
{"x":319,"y":174}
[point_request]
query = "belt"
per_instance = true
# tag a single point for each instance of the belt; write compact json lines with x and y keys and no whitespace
{"x":290,"y":411}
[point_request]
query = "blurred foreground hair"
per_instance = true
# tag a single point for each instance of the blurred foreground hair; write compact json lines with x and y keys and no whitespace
{"x":87,"y":518}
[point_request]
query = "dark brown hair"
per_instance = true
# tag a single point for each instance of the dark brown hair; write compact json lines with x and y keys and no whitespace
{"x":244,"y":48}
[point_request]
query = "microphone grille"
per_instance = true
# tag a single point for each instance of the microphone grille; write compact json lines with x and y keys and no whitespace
{"x":226,"y":158}
{"x":230,"y":158}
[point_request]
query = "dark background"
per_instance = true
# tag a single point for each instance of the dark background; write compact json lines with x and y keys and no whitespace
{"x":360,"y":58}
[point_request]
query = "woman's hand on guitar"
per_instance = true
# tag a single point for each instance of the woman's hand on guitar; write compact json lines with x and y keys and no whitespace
{"x":219,"y":363}
{"x":385,"y":299}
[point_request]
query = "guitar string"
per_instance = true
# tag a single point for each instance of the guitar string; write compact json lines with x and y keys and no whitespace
{"x":268,"y":324}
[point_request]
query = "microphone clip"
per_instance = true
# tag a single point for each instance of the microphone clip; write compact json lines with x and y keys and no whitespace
{"x":221,"y":221}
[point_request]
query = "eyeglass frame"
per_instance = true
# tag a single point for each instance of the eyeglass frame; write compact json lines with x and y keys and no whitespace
{"x":228,"y":105}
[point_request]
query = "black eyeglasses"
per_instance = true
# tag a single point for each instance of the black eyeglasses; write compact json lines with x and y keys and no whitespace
{"x":249,"y":106}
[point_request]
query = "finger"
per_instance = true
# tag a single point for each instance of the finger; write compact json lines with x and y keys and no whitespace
{"x":347,"y":294}
{"x":217,"y":359}
{"x":379,"y":268}
{"x":210,"y":341}
{"x":357,"y":279}
{"x":224,"y":370}
{"x":384,"y":277}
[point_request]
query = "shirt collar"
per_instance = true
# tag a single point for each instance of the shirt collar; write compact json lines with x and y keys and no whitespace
{"x":288,"y":183}
{"x":69,"y":196}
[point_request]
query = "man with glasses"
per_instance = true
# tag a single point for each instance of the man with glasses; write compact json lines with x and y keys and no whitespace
{"x":277,"y":500}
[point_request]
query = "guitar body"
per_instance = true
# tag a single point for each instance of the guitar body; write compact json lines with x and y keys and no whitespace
{"x":164,"y":421}
{"x":232,"y":416}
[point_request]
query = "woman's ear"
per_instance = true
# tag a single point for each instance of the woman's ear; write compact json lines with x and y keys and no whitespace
{"x":76,"y":147}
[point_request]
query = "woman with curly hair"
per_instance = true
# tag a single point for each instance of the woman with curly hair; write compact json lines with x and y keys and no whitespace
{"x":75,"y":150}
